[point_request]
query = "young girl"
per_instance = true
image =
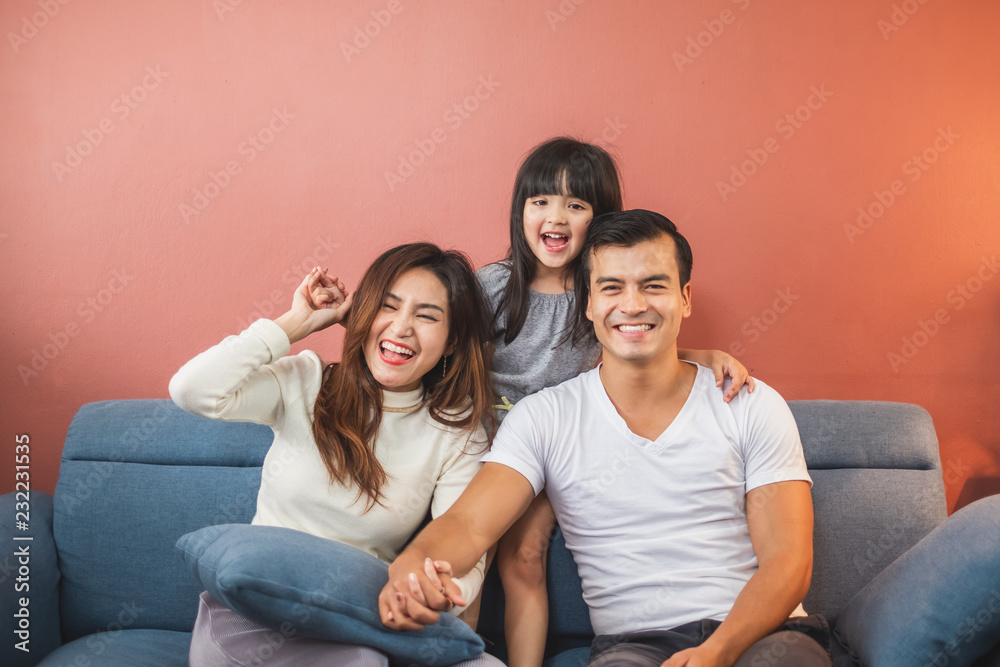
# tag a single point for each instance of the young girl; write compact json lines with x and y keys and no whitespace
{"x":559,"y":188}
{"x":362,"y":448}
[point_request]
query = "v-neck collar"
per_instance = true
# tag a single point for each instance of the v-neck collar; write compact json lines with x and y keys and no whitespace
{"x":669,"y":433}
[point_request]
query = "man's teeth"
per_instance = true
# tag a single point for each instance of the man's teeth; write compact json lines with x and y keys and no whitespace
{"x":629,"y":328}
{"x":397,"y":349}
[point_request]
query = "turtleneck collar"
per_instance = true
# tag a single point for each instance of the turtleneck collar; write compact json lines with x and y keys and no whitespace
{"x":402,"y":399}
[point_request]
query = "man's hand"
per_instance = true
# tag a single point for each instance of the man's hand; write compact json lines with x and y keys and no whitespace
{"x":415,"y":597}
{"x":492,"y":502}
{"x":699,"y":656}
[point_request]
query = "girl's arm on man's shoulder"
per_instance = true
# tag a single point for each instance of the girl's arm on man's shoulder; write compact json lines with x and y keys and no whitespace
{"x":723,"y":365}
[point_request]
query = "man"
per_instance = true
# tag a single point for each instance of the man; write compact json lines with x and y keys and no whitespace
{"x":690,"y":519}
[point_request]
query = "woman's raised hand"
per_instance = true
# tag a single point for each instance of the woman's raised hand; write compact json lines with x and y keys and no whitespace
{"x":318,"y":302}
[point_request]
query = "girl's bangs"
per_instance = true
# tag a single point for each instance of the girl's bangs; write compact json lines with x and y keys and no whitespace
{"x":560,"y":178}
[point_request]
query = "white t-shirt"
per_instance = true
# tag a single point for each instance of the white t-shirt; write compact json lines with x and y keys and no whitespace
{"x":658,"y":529}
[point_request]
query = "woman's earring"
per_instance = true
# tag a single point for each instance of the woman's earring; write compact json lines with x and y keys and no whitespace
{"x":444,"y":373}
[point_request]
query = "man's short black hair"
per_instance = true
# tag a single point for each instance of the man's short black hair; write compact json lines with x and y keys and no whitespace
{"x":624,"y":229}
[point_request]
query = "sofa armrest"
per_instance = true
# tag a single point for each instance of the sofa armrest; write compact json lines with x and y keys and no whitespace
{"x":29,"y":579}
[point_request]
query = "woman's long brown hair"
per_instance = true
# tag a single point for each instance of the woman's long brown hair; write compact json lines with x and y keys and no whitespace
{"x":348,"y":409}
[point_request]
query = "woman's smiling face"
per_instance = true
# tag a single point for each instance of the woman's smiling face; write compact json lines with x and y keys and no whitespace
{"x":410,"y":331}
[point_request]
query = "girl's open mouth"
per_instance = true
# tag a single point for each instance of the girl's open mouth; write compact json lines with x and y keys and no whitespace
{"x":555,"y":242}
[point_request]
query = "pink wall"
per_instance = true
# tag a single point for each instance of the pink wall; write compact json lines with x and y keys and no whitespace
{"x":288,"y":130}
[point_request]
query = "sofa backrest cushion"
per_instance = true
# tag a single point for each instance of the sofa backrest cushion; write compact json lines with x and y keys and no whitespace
{"x":135,"y":476}
{"x":865,"y":519}
{"x":866,"y":434}
{"x":877,"y":490}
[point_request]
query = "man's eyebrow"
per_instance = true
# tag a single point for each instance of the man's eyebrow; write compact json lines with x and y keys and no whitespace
{"x":659,"y":277}
{"x":419,"y":305}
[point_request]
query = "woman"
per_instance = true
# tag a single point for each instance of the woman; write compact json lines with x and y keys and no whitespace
{"x":362,"y":449}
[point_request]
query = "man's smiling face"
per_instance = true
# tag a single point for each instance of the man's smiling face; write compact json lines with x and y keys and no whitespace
{"x":636,"y":300}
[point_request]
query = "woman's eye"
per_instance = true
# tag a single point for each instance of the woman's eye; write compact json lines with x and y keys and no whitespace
{"x":388,"y":306}
{"x":429,"y":318}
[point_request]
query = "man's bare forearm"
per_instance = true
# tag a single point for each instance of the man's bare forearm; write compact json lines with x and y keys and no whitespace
{"x":449,"y":538}
{"x":494,"y":499}
{"x":779,"y":517}
{"x":771,"y":594}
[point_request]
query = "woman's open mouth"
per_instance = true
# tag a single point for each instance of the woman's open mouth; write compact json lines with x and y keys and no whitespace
{"x":394,"y":353}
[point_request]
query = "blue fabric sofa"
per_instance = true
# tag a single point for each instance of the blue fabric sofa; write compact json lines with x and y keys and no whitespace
{"x":108,"y":588}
